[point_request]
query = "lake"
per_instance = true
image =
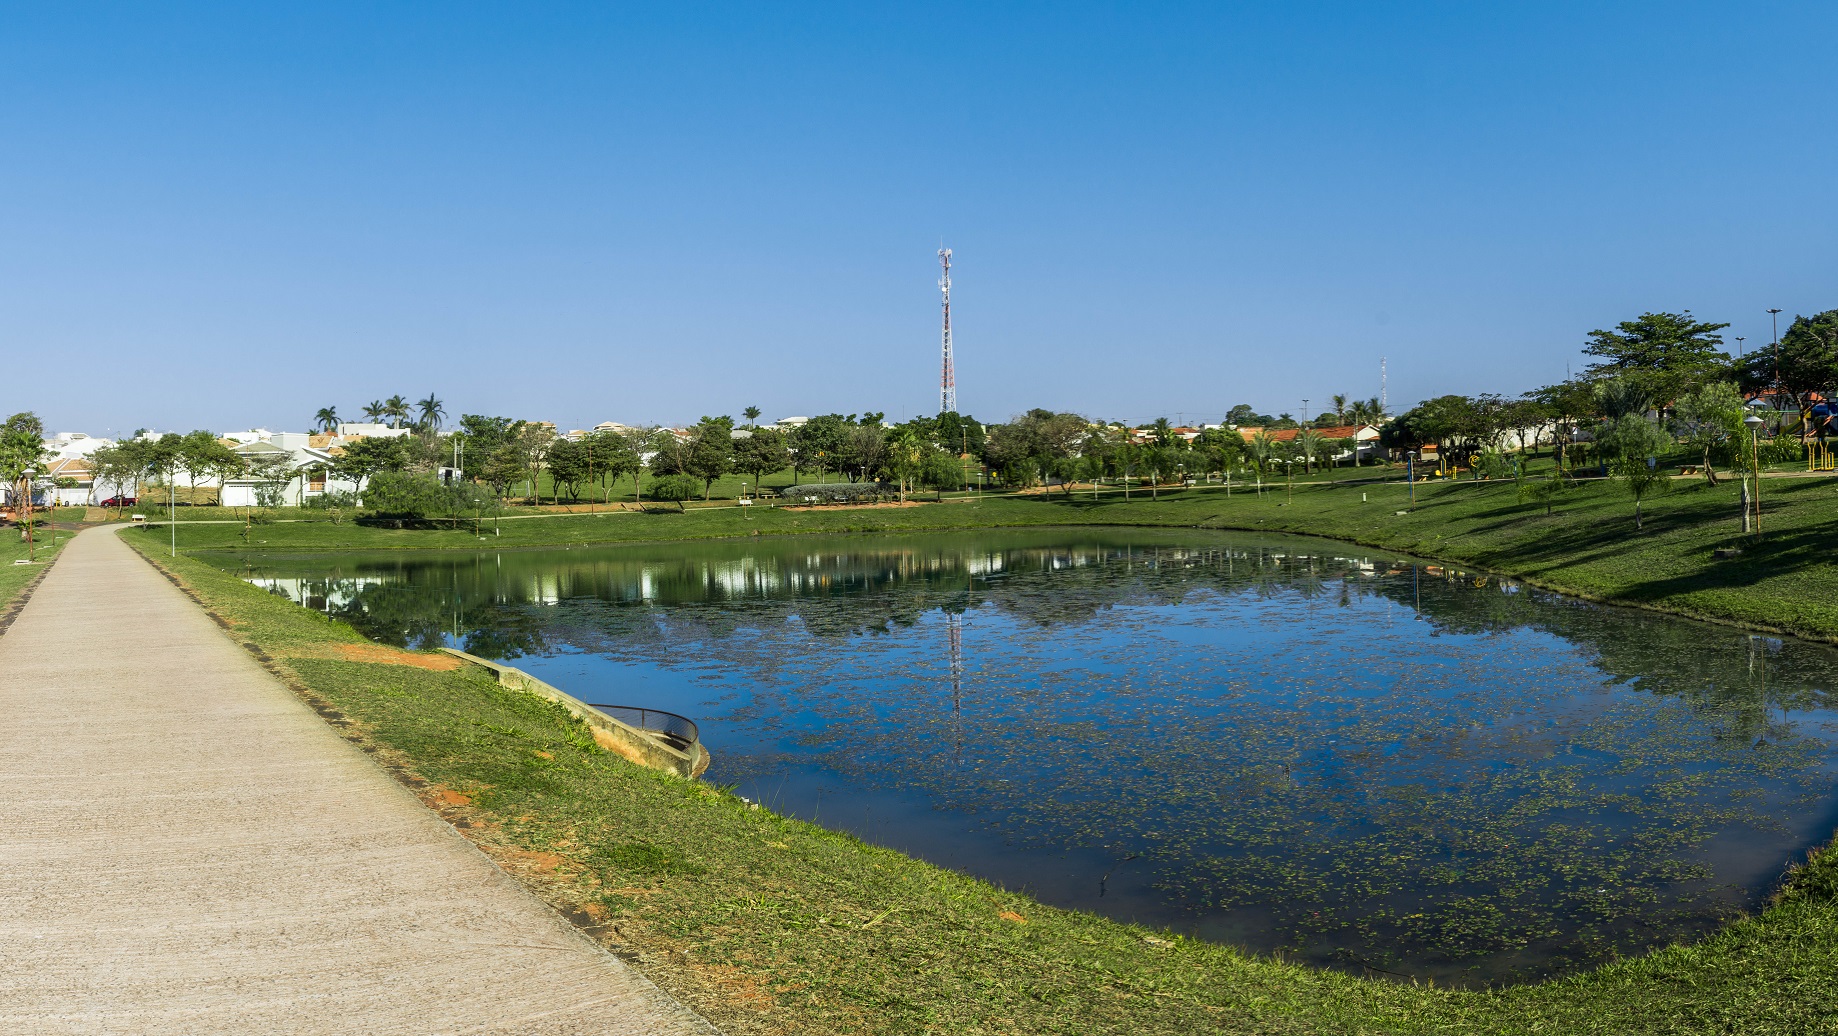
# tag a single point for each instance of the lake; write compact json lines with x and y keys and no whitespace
{"x":1355,"y":758}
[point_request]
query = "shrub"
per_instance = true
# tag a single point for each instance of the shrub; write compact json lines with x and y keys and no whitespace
{"x":401,"y":495}
{"x":839,"y":492}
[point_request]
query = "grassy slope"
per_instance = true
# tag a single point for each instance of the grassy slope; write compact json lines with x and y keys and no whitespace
{"x":772,"y":925}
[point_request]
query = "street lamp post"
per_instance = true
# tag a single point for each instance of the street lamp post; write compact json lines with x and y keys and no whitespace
{"x":31,"y":542}
{"x":1754,"y":423}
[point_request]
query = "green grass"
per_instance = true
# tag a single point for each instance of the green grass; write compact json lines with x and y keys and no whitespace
{"x":768,"y":924}
{"x":13,"y":578}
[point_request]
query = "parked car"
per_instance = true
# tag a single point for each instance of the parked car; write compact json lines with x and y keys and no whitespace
{"x":120,"y":501}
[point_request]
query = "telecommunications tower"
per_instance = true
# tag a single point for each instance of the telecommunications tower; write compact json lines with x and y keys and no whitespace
{"x":947,"y":381}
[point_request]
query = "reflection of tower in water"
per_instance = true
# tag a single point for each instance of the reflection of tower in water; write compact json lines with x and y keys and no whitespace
{"x":954,"y":635}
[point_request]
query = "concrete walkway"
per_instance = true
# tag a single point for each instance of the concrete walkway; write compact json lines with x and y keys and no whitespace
{"x":186,"y":848}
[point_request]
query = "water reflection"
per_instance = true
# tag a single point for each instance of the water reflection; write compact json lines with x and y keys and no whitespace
{"x":1276,"y":742}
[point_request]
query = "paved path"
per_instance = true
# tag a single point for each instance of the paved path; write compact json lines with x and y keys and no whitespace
{"x":186,"y":848}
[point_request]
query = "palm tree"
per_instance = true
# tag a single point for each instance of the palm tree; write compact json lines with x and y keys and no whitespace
{"x":327,"y":417}
{"x":1339,"y":399}
{"x":1163,"y":431}
{"x":396,"y":409}
{"x":431,"y":413}
{"x":376,"y":410}
{"x":752,"y":414}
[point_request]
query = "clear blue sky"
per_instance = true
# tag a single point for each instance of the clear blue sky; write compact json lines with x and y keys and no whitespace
{"x":231,"y":215}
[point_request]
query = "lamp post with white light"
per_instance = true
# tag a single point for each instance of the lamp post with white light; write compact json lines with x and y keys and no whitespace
{"x":1754,"y":423}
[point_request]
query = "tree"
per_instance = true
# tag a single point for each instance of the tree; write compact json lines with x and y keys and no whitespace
{"x":674,"y":488}
{"x":327,"y":418}
{"x":1632,"y":445}
{"x":114,"y":467}
{"x":396,"y":409}
{"x":817,"y":444}
{"x":1667,"y":352}
{"x":376,"y":410}
{"x":199,"y":453}
{"x":432,"y":413}
{"x":271,"y":473}
{"x":1309,"y":442}
{"x":711,"y":451}
{"x":1525,"y":416}
{"x":864,"y":450}
{"x":532,"y":443}
{"x":1338,"y":401}
{"x":502,"y":467}
{"x":1710,"y":418}
{"x":22,"y":449}
{"x":365,"y":456}
{"x":761,"y":454}
{"x":405,"y":496}
{"x":1262,"y":449}
{"x":569,"y":466}
{"x":479,"y":437}
{"x":642,"y":442}
{"x":751,"y":414}
{"x":905,"y":458}
{"x":1547,"y":490}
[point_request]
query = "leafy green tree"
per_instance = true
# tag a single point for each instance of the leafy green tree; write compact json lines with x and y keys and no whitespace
{"x":752,"y":415}
{"x":568,"y":467}
{"x":405,"y":496}
{"x":905,"y":458}
{"x":818,"y":444}
{"x":370,"y":454}
{"x":326,"y":418}
{"x":22,"y":450}
{"x":711,"y":452}
{"x":1632,"y":445}
{"x":1668,"y":353}
{"x":480,"y":436}
{"x":941,"y":470}
{"x":1710,"y":419}
{"x":1309,"y":442}
{"x":502,"y":467}
{"x":864,"y":452}
{"x":674,"y":488}
{"x":271,"y":473}
{"x":761,"y":453}
{"x":200,"y":453}
{"x":376,"y":410}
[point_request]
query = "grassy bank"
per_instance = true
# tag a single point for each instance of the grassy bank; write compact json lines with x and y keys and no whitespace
{"x":768,"y":924}
{"x":14,"y":577}
{"x":1784,"y":580}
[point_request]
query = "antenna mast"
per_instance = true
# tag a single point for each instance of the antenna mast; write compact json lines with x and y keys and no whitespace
{"x":1384,"y":404}
{"x":947,"y":381}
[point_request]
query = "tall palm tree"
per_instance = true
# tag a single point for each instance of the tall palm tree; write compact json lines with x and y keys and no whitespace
{"x":376,"y":410}
{"x":327,"y":417}
{"x":1163,"y":431}
{"x":431,"y":413}
{"x":1339,"y":399}
{"x":752,"y":414}
{"x":396,"y":409}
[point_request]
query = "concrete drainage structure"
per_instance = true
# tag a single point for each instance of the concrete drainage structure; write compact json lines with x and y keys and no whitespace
{"x":662,"y":750}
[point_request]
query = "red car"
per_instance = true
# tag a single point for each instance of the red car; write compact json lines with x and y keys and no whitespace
{"x":120,"y":501}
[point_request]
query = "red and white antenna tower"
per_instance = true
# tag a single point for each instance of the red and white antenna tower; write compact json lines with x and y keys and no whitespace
{"x":947,"y":382}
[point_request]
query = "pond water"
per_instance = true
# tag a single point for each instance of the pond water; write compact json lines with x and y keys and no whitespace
{"x":1360,"y":760}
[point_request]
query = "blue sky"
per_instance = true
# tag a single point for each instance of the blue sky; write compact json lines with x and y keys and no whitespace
{"x":231,"y":215}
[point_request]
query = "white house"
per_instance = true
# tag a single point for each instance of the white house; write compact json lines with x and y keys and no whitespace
{"x":370,"y":430}
{"x":304,"y":460}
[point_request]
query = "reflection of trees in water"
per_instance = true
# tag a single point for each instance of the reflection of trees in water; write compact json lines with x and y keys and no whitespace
{"x":715,"y":591}
{"x":1449,"y":789}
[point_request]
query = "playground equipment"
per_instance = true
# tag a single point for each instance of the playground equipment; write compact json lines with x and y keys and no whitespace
{"x":1819,"y":457}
